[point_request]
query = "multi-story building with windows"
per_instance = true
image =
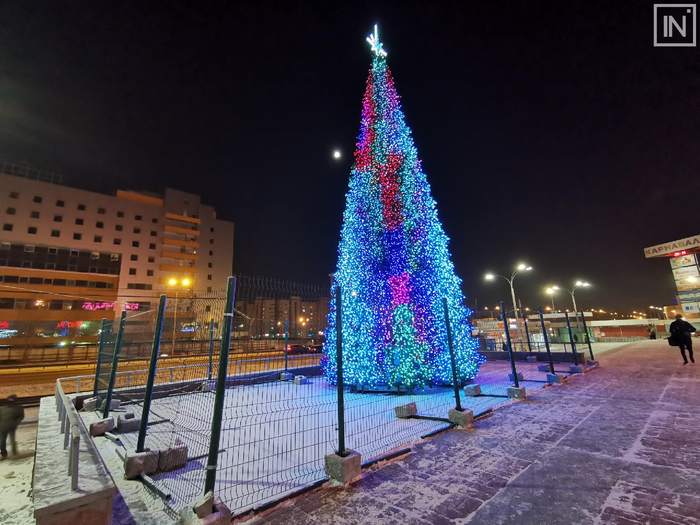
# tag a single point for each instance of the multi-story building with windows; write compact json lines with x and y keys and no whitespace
{"x":68,"y":256}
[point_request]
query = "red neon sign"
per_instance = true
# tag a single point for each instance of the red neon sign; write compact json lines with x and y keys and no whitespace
{"x":678,"y":254}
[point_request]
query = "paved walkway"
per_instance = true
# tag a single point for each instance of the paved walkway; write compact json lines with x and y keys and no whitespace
{"x":620,"y":445}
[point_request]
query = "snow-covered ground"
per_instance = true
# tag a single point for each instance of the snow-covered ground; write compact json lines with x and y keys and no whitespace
{"x":275,"y":435}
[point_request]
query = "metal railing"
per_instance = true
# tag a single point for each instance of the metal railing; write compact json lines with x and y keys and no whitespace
{"x":71,"y":428}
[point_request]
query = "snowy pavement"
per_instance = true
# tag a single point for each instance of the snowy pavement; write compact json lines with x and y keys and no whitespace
{"x":16,"y":476}
{"x":619,"y":445}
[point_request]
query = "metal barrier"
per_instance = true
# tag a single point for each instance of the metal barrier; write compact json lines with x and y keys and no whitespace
{"x":71,"y":428}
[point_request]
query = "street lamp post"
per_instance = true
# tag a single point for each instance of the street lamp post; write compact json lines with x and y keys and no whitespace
{"x":552,"y":291}
{"x":572,"y":292}
{"x":184,"y":283}
{"x":520,"y":268}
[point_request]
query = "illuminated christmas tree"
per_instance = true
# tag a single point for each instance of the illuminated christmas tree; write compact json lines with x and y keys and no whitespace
{"x":394,"y":266}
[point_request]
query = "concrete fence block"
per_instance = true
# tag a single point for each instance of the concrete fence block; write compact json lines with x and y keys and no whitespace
{"x":98,"y":428}
{"x":128,"y":424}
{"x":137,"y":463}
{"x":286,"y":376}
{"x":89,"y":404}
{"x":406,"y":411}
{"x":173,"y":457}
{"x":343,"y":469}
{"x":576,"y":369}
{"x":463,"y":418}
{"x":517,"y":392}
{"x":554,"y":379}
{"x":301,"y":380}
{"x":472,"y":390}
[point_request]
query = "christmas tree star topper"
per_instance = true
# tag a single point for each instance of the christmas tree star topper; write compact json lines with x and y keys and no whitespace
{"x":376,"y":45}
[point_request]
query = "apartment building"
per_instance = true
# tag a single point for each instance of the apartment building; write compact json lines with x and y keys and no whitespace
{"x":69,"y":257}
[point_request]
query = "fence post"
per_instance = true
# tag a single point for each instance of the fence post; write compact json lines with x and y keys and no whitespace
{"x":211,"y":348}
{"x":339,"y":363}
{"x":453,"y":360}
{"x":588,"y":339}
{"x":219,"y":398}
{"x":571,"y":338}
{"x":155,"y":350}
{"x":115,"y":361}
{"x":527,"y":331}
{"x":100,"y":348}
{"x":509,"y":345}
{"x":286,"y":341}
{"x":546,"y":343}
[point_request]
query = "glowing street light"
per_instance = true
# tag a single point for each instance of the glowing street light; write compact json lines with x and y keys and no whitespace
{"x":519,"y":268}
{"x":337,"y":154}
{"x":184,"y":283}
{"x":572,"y":292}
{"x":552,"y":291}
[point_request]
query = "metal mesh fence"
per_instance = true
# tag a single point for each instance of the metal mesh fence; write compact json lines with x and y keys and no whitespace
{"x":279,"y":416}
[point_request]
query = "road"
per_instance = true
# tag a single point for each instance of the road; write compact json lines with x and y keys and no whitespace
{"x":32,"y":381}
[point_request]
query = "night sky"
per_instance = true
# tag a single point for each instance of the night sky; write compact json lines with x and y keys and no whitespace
{"x":552,"y":132}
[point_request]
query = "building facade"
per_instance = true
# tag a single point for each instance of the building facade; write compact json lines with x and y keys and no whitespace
{"x":70,"y":257}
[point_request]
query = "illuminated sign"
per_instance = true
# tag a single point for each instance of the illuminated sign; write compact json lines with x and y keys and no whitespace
{"x":69,"y":324}
{"x":683,"y":260}
{"x":4,"y":325}
{"x":92,"y":306}
{"x":670,"y":248}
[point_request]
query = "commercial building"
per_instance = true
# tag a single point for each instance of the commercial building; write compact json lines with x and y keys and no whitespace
{"x":683,"y":259}
{"x":69,"y":257}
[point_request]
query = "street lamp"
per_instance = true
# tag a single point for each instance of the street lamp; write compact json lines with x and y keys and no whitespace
{"x":519,"y":268}
{"x":552,"y":291}
{"x":182,"y":284}
{"x":572,"y":292}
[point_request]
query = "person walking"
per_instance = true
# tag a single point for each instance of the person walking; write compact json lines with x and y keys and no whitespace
{"x":11,"y":414}
{"x":680,"y":335}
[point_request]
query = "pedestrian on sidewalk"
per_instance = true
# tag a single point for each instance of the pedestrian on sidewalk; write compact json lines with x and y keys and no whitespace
{"x":680,"y":336}
{"x":11,"y":414}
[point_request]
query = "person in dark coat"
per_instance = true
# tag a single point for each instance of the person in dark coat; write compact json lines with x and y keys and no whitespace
{"x":11,"y":413}
{"x":680,"y":332}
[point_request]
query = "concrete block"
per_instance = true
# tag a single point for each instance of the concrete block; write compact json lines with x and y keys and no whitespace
{"x":472,"y":390}
{"x":286,"y":376}
{"x":173,"y":457}
{"x":113,"y":405}
{"x":128,"y":424}
{"x":301,"y":380}
{"x":554,"y":378}
{"x":137,"y":463}
{"x":219,"y":514}
{"x":543,"y":368}
{"x":343,"y":469}
{"x":98,"y":428}
{"x":205,"y":387}
{"x":204,"y":505}
{"x":576,"y":369}
{"x":463,"y":419}
{"x":531,"y":359}
{"x":520,"y":377}
{"x":405,"y":411}
{"x":517,"y":392}
{"x":89,"y":404}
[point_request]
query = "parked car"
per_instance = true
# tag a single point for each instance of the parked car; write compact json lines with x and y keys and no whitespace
{"x":297,"y":349}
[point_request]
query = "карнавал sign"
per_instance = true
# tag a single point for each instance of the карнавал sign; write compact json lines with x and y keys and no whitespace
{"x":669,"y":249}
